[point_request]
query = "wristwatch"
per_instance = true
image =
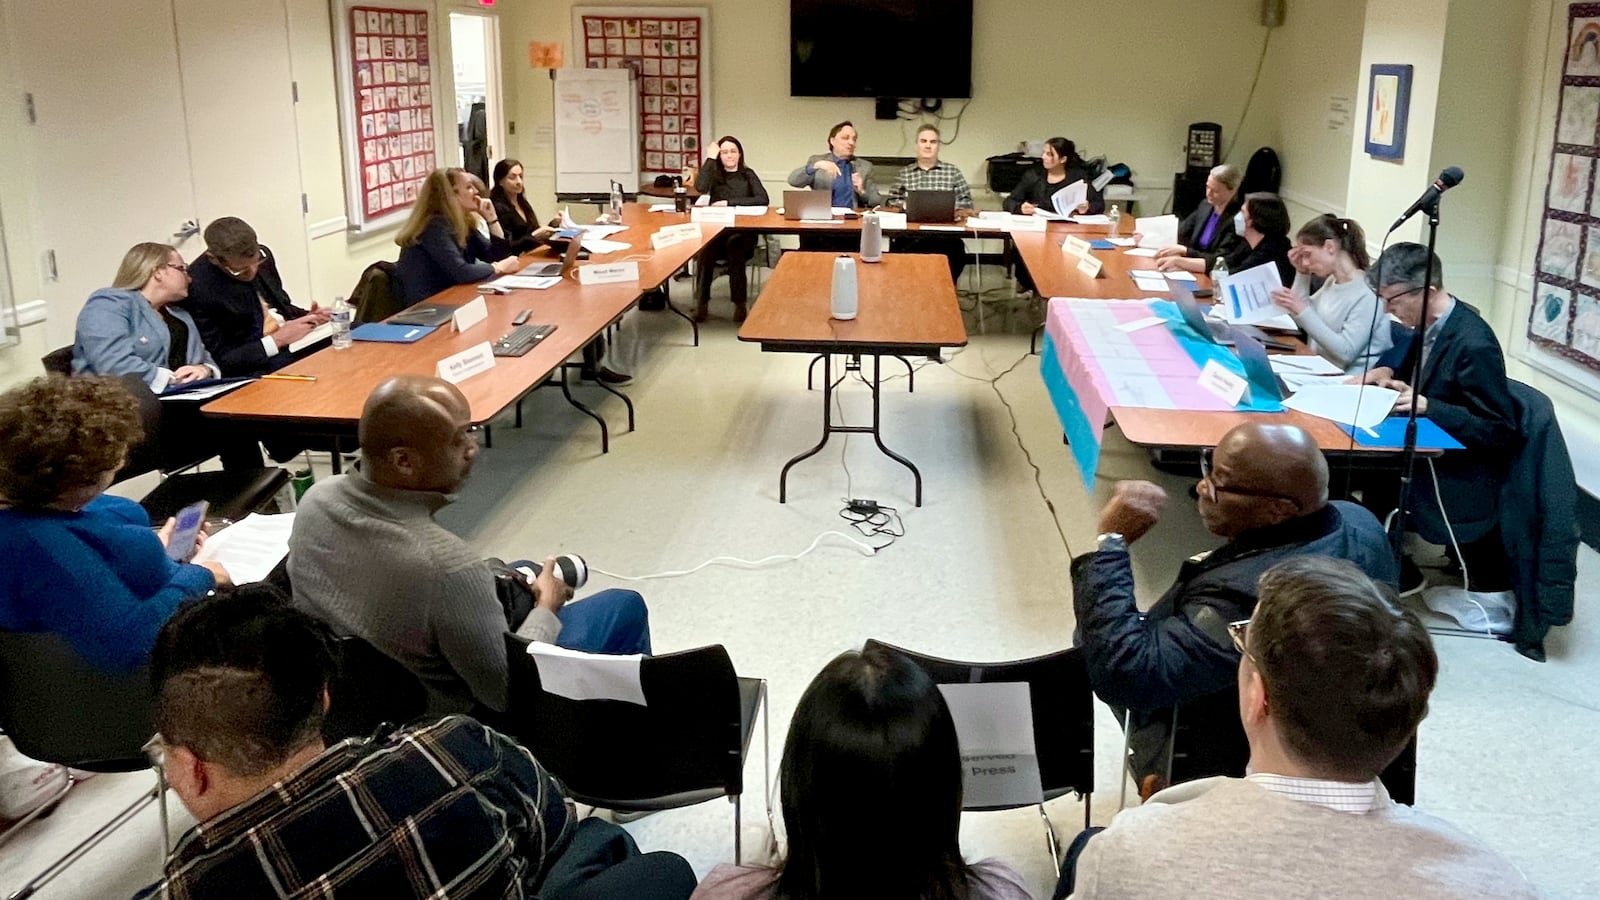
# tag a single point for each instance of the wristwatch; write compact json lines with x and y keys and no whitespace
{"x":1111,"y":540}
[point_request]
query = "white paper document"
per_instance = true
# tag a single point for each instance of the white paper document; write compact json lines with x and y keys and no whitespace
{"x":842,"y":210}
{"x":663,"y":207}
{"x":749,"y":210}
{"x":1246,"y":296}
{"x":1281,"y":322}
{"x":1180,"y":275}
{"x":1047,"y":215}
{"x":601,"y":245}
{"x":587,"y":676}
{"x":1150,"y":284}
{"x":1140,"y":251}
{"x":1096,"y":219}
{"x":204,"y":393}
{"x":1312,"y":364}
{"x":599,"y":231}
{"x":1361,"y":405}
{"x":1145,"y":273}
{"x":1141,"y":324}
{"x":526,"y":282}
{"x":1157,"y":231}
{"x":1066,"y":201}
{"x":1120,"y":241}
{"x":321,"y":332}
{"x":250,"y":547}
{"x":994,"y":728}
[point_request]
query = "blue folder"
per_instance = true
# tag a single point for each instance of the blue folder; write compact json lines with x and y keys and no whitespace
{"x":391,"y":334}
{"x":1101,"y":244}
{"x":1391,"y":432}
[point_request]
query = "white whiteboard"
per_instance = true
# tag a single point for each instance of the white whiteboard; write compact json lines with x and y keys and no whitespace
{"x":597,"y":130}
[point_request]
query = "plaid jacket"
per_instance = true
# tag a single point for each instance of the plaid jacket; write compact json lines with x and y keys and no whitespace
{"x":449,"y":810}
{"x":942,"y":177}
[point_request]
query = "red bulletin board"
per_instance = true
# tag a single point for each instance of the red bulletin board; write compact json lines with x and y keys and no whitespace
{"x":668,"y":48}
{"x":392,"y":85}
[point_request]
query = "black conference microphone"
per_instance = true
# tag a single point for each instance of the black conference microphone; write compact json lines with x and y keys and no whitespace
{"x":1447,"y":179}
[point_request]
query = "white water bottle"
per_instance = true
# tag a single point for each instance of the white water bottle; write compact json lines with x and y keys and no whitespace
{"x":1219,"y":278}
{"x":871,"y":238}
{"x":339,"y":317}
{"x":844,"y":288}
{"x":1115,"y":215}
{"x":616,"y":202}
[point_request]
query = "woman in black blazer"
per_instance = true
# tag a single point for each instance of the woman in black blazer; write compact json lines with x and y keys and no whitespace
{"x":1208,"y":232}
{"x":1262,"y":224}
{"x":511,"y":206}
{"x":728,"y":182}
{"x":1060,"y":166}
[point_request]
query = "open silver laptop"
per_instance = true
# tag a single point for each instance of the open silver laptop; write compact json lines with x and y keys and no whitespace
{"x":799,"y":205}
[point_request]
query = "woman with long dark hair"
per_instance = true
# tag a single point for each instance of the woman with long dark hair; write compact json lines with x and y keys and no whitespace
{"x":871,"y":787}
{"x":1059,"y":166}
{"x":510,"y":198}
{"x":728,"y":182}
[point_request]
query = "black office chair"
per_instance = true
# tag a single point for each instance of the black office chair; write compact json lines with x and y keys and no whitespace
{"x":686,"y":745}
{"x":56,"y":708}
{"x":369,"y":690}
{"x":1063,"y":719}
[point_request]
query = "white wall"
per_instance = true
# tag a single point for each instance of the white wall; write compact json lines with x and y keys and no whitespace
{"x":1315,"y":56}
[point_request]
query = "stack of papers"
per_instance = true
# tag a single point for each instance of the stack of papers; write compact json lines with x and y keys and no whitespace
{"x":1361,"y":405}
{"x":527,"y":282}
{"x":1066,"y":201}
{"x":250,"y":547}
{"x":749,"y":210}
{"x":1300,"y":372}
{"x":1091,"y":220}
{"x":1157,"y":231}
{"x":320,"y":333}
{"x":204,"y":389}
{"x":1140,"y":251}
{"x":601,"y":245}
{"x":1246,"y":297}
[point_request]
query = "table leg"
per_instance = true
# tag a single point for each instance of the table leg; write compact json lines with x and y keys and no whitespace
{"x":827,"y":426}
{"x":911,"y":375}
{"x":605,"y":433}
{"x":877,"y":432}
{"x":812,"y":370}
{"x":666,"y":297}
{"x":626,"y":402}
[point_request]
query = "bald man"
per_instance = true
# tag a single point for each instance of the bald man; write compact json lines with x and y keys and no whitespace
{"x":1265,"y":489}
{"x":367,"y":557}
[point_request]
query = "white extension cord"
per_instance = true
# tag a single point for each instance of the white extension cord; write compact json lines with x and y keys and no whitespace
{"x":863,"y":547}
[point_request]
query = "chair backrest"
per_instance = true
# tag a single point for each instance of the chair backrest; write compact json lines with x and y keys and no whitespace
{"x":58,"y":361}
{"x":370,"y":689}
{"x":1063,"y":708}
{"x":58,"y":708}
{"x":686,"y":738}
{"x":377,"y":293}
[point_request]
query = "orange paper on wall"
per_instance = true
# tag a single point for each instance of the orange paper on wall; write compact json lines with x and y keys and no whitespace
{"x":544,"y":56}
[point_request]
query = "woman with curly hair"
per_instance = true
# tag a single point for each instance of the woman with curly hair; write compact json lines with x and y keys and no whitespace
{"x":76,"y":561}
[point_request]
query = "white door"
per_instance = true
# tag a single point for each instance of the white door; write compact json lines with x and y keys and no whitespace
{"x":110,"y":156}
{"x":245,"y":155}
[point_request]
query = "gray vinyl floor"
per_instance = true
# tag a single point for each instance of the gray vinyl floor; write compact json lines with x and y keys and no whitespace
{"x":979,"y":574}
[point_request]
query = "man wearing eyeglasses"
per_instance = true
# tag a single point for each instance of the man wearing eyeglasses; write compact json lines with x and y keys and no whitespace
{"x":1265,"y":489}
{"x":1332,"y":682}
{"x":246,"y":319}
{"x":367,"y":556}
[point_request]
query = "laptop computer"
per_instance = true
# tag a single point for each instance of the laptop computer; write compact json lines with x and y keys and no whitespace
{"x":1257,"y":369}
{"x":930,"y":206}
{"x":799,"y":205}
{"x":1218,"y":331}
{"x":569,"y":261}
{"x":424,"y":314}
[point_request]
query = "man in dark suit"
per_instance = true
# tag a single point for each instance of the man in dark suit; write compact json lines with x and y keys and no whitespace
{"x":1463,"y":389}
{"x":236,"y":297}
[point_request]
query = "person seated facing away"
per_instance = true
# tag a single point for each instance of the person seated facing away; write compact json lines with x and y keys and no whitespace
{"x":929,"y":173}
{"x":1464,"y":391}
{"x":1207,"y":233}
{"x":522,"y":229}
{"x":79,"y":562}
{"x":1341,"y":320}
{"x":439,"y":247}
{"x":728,"y":182}
{"x":1332,"y":681}
{"x":367,"y":557}
{"x":1265,"y":489}
{"x":1059,"y":166}
{"x":237,"y":300}
{"x":847,"y":180}
{"x":1262,"y":224}
{"x":135,"y":330}
{"x":446,"y":810}
{"x":871,"y":733}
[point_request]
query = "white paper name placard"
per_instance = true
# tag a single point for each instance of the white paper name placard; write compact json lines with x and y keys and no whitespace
{"x":675,"y":234}
{"x":892,"y":221}
{"x":458,"y":367}
{"x":1027,"y":223}
{"x":1090,"y":266}
{"x":1077,"y":246}
{"x":1225,"y":384}
{"x":712,"y":215}
{"x":608,"y":273}
{"x":471,"y":313}
{"x":994,"y":730}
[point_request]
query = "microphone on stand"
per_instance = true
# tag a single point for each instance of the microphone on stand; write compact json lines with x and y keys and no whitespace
{"x":1447,"y":179}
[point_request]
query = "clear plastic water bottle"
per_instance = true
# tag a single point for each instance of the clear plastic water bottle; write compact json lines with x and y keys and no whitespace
{"x":339,"y":317}
{"x":616,"y":201}
{"x":1219,"y":278}
{"x":1115,"y":215}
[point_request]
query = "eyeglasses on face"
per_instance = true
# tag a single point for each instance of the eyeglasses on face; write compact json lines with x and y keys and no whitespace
{"x":1393,"y":297}
{"x":255,"y":262}
{"x":1236,"y":630}
{"x":181,"y":267}
{"x":1205,"y":475}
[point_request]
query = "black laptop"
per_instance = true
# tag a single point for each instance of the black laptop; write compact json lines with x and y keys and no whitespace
{"x":424,"y":314}
{"x":931,"y":207}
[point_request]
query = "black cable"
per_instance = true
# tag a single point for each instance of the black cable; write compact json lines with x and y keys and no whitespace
{"x":1250,"y":97}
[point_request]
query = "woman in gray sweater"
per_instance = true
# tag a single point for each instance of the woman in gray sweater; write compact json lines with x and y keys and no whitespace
{"x":1342,"y":320}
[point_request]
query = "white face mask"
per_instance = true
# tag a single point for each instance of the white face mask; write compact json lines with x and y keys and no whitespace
{"x":1238,"y":223}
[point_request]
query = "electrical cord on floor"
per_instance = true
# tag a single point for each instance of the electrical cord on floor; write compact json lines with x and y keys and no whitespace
{"x":864,"y":548}
{"x":873,"y":520}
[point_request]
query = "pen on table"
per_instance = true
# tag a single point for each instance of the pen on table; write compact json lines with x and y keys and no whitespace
{"x":275,"y":376}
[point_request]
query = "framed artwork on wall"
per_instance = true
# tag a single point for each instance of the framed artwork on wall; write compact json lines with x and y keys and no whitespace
{"x":1388,"y":105}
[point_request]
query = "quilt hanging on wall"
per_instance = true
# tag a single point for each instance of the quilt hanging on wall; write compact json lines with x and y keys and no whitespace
{"x":668,"y":48}
{"x":1565,"y":314}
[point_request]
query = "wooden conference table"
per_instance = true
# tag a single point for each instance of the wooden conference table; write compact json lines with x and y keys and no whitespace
{"x":907,"y":308}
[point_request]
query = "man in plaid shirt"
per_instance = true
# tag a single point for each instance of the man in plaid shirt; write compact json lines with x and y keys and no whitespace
{"x":929,"y":173}
{"x":450,"y":809}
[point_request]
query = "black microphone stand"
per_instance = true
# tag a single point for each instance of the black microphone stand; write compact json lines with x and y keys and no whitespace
{"x":1408,"y":451}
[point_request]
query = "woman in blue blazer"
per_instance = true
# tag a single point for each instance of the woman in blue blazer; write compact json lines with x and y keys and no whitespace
{"x":135,"y":328}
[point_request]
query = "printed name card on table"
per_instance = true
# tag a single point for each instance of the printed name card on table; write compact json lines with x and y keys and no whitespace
{"x":712,"y":215}
{"x":1090,"y":266}
{"x":1076,"y":246}
{"x":608,"y":273}
{"x":1027,"y":223}
{"x":470,"y":313}
{"x":458,"y":367}
{"x":1222,"y":382}
{"x":893,"y":221}
{"x":994,"y":730}
{"x":675,"y":234}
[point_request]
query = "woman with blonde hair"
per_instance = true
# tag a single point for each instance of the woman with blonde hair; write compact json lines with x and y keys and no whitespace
{"x":439,"y":246}
{"x":135,"y":328}
{"x":1208,"y":232}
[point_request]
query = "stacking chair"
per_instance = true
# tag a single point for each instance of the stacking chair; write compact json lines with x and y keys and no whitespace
{"x":56,"y":708}
{"x":687,"y":744}
{"x":369,"y":690}
{"x":1063,"y":719}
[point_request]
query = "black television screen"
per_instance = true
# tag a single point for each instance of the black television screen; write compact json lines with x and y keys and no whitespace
{"x":880,"y":48}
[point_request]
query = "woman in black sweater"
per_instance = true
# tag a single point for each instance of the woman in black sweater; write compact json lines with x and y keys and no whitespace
{"x":728,"y":182}
{"x":522,"y":227}
{"x":1060,"y":166}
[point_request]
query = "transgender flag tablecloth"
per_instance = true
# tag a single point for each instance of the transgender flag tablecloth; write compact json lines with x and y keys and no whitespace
{"x":1089,"y":366}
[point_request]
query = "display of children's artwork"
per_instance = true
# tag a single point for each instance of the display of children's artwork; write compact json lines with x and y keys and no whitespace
{"x":667,"y":48}
{"x":1564,"y":316}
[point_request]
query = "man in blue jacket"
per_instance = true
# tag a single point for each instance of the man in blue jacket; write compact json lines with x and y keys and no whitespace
{"x":1265,"y":489}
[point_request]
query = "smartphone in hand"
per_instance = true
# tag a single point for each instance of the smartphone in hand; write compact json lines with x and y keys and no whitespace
{"x":190,"y":519}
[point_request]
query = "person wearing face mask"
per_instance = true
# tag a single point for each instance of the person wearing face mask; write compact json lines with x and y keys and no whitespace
{"x":1262,"y":225}
{"x":440,"y":247}
{"x":1207,"y":233}
{"x":727,"y":181}
{"x":1341,"y":320}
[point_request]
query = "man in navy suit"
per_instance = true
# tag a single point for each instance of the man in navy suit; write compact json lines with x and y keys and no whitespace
{"x":246,"y":319}
{"x":1463,"y":389}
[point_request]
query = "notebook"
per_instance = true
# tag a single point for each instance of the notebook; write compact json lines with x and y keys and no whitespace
{"x":389,"y":333}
